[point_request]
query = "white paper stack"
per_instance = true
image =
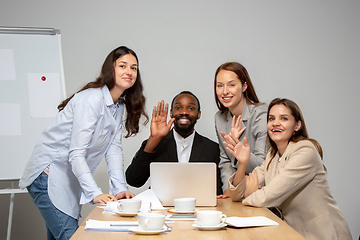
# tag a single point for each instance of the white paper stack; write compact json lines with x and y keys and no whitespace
{"x":110,"y":207}
{"x":149,"y":202}
{"x":95,"y":225}
{"x":250,"y":221}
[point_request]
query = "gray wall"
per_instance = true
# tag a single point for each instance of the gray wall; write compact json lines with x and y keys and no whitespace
{"x":307,"y":51}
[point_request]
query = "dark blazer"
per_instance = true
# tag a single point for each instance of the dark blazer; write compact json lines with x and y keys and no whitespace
{"x":203,"y":150}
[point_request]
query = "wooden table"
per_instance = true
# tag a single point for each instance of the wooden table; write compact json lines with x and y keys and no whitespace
{"x":184,"y":231}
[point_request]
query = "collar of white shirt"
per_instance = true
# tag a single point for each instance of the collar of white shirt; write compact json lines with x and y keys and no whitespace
{"x":183,"y":146}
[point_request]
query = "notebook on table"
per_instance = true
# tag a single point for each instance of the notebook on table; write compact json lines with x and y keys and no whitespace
{"x":171,"y":180}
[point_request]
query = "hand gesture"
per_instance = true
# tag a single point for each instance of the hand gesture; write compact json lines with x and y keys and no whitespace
{"x":252,"y":184}
{"x":226,"y":194}
{"x":240,"y":151}
{"x":236,"y":129}
{"x":158,"y":127}
{"x":104,"y":198}
{"x":124,"y":194}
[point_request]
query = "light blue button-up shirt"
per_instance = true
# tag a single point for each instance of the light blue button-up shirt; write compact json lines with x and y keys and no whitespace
{"x":86,"y":130}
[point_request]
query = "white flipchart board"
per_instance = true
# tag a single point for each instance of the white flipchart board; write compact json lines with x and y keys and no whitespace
{"x":31,"y":86}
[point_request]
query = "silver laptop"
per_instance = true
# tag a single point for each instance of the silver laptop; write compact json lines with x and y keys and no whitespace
{"x":178,"y":180}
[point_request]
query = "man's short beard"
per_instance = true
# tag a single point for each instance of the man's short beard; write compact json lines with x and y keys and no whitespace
{"x":184,"y":130}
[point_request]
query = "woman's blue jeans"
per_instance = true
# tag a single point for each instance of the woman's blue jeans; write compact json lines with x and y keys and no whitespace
{"x":60,"y":226}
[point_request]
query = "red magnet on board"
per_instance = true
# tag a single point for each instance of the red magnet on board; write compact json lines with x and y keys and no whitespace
{"x":43,"y":78}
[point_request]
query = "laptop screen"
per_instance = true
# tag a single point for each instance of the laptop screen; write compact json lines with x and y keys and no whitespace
{"x":171,"y":180}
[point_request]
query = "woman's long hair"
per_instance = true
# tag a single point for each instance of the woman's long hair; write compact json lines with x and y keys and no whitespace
{"x":301,"y":134}
{"x":241,"y":72}
{"x":132,"y":97}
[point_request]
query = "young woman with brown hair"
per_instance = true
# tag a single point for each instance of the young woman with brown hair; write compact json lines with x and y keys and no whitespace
{"x":292,"y":178}
{"x":87,"y":128}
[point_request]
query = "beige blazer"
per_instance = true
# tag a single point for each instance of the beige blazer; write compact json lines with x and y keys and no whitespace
{"x":254,"y":119}
{"x":299,"y":188}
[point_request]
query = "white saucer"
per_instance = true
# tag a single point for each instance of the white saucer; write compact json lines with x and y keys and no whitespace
{"x":126,"y":214}
{"x":138,"y":230}
{"x":209,"y":228}
{"x":182,"y":212}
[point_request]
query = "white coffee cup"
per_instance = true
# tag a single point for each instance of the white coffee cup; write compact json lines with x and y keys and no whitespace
{"x":151,"y":221}
{"x":129,"y":205}
{"x":184,"y":204}
{"x":210,"y":218}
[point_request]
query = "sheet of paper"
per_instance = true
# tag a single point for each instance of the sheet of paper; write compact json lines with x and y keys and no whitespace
{"x":7,"y":65}
{"x":250,"y":221}
{"x":149,"y":202}
{"x":149,"y":196}
{"x":95,"y":225}
{"x":112,"y":206}
{"x":44,"y":94}
{"x":10,"y":121}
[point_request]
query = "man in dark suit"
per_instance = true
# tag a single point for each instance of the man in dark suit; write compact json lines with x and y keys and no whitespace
{"x":181,"y":144}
